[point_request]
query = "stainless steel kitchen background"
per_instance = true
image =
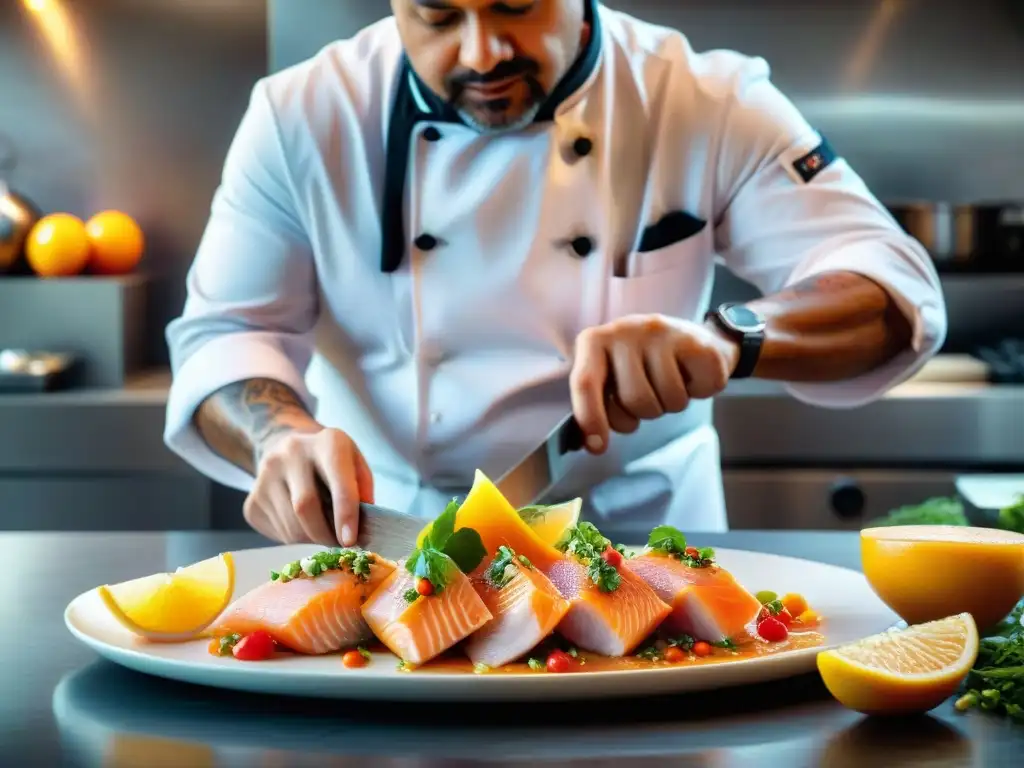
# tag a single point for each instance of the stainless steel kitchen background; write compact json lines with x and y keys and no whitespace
{"x":136,"y":104}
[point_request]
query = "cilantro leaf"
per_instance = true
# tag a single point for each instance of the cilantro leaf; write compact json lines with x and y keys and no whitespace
{"x":431,"y":565}
{"x":667,"y":539}
{"x":444,"y":526}
{"x":466,"y":549}
{"x":605,"y":576}
{"x":586,"y":543}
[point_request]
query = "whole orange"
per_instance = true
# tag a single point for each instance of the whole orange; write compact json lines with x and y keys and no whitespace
{"x":117,"y":243}
{"x":57,"y":246}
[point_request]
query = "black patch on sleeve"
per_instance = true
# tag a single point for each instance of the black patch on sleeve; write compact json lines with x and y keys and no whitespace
{"x":815,"y":161}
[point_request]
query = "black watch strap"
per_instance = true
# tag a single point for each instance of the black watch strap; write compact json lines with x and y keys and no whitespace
{"x":750,"y":353}
{"x":750,"y":344}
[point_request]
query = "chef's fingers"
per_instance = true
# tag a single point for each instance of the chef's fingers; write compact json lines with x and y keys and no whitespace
{"x":664,"y":373}
{"x":587,"y":388}
{"x":621,"y":421}
{"x":306,"y":503}
{"x":261,"y":521}
{"x":364,"y":476}
{"x":267,"y":506}
{"x":702,"y":364}
{"x":633,"y":389}
{"x":336,"y":461}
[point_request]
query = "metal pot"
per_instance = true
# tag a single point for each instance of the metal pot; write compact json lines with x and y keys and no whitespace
{"x":17,"y":217}
{"x":931,"y":224}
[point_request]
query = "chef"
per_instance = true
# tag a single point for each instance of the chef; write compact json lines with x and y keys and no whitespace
{"x":433,"y":240}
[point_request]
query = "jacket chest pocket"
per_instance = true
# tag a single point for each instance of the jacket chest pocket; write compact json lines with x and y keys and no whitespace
{"x":670,"y":279}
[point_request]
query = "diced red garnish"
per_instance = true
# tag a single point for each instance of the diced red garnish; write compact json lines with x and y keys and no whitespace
{"x":785,"y":617}
{"x":425,"y":587}
{"x":693,"y":552}
{"x":613,"y":557}
{"x":701,"y":648}
{"x":558,"y":662}
{"x":259,"y":646}
{"x":674,"y":655}
{"x":353,"y":659}
{"x":772,"y":630}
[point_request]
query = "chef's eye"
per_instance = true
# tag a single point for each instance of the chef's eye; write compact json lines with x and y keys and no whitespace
{"x":506,"y":9}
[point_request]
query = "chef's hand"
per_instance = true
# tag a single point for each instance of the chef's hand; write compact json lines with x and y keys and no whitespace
{"x":641,"y":367}
{"x":286,"y":503}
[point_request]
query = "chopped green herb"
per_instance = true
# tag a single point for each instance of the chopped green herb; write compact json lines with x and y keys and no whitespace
{"x":573,"y":652}
{"x":502,"y":571}
{"x":365,"y":653}
{"x":651,"y":653}
{"x":667,"y":540}
{"x":402,"y":666}
{"x":670,"y":541}
{"x":727,"y":644}
{"x":227,"y":643}
{"x":996,"y":682}
{"x":356,"y":561}
{"x":411,"y":596}
{"x":1011,"y":518}
{"x":766,"y":596}
{"x":586,"y":544}
{"x":481,"y":669}
{"x":621,"y":549}
{"x":775,"y":607}
{"x":444,"y":548}
{"x":685,"y":642}
{"x":525,"y":561}
{"x":536,"y":665}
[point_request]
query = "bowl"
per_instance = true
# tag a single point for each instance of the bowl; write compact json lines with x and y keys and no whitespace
{"x":928,"y":572}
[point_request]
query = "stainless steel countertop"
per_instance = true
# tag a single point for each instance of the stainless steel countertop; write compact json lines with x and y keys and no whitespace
{"x":916,"y":424}
{"x":62,"y":706}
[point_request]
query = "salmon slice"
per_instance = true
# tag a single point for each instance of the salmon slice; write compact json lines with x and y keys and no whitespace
{"x":525,"y":605}
{"x":419,"y":631}
{"x":707,"y":602}
{"x":310,"y":614}
{"x":609,"y":623}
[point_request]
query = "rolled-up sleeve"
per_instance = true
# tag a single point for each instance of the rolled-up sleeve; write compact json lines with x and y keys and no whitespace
{"x":790,"y":209}
{"x":251,"y":299}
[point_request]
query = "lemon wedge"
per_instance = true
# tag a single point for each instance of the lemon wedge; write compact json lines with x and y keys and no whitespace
{"x":552,"y":522}
{"x":901,"y":672}
{"x":175,"y":606}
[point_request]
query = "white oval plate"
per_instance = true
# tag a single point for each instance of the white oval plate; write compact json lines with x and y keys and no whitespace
{"x":851,"y":610}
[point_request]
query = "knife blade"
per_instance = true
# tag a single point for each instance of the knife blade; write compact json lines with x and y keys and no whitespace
{"x":387,"y":532}
{"x":541,"y":469}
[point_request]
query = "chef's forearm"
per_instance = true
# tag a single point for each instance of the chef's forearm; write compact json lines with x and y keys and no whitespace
{"x":830,"y":327}
{"x":239,"y":420}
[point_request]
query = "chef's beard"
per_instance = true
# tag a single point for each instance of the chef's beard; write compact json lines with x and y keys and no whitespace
{"x":518,"y":124}
{"x":485,"y":120}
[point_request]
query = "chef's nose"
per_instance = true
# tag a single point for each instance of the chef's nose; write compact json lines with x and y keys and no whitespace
{"x":482,"y":47}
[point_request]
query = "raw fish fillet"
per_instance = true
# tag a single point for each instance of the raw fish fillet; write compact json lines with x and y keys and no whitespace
{"x":419,"y":631}
{"x":707,"y":603}
{"x":526,"y":609}
{"x":311,"y":615}
{"x":610,"y":623}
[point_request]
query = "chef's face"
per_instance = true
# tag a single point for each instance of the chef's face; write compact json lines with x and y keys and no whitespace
{"x":494,"y":61}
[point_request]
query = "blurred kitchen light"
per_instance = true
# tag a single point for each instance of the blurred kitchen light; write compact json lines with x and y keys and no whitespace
{"x":943,"y":110}
{"x":57,"y":28}
{"x":871,"y":42}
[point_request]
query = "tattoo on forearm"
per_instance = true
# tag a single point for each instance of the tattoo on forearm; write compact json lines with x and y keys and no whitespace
{"x":237,"y":420}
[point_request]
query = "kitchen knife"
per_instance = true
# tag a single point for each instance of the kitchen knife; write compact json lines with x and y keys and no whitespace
{"x":541,"y":469}
{"x":387,"y":532}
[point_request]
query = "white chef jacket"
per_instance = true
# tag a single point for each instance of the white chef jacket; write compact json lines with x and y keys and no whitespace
{"x":441,"y":340}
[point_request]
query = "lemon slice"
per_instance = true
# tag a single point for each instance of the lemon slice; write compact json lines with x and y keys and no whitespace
{"x":173,"y":606}
{"x":552,"y":522}
{"x":903,"y":671}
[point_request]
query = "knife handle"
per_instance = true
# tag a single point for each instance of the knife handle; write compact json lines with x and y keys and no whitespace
{"x":571,"y":438}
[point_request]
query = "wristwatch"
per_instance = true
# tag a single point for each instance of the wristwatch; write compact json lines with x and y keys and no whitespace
{"x":745,"y":326}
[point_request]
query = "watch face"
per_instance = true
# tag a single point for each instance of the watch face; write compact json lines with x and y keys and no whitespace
{"x":742,"y":319}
